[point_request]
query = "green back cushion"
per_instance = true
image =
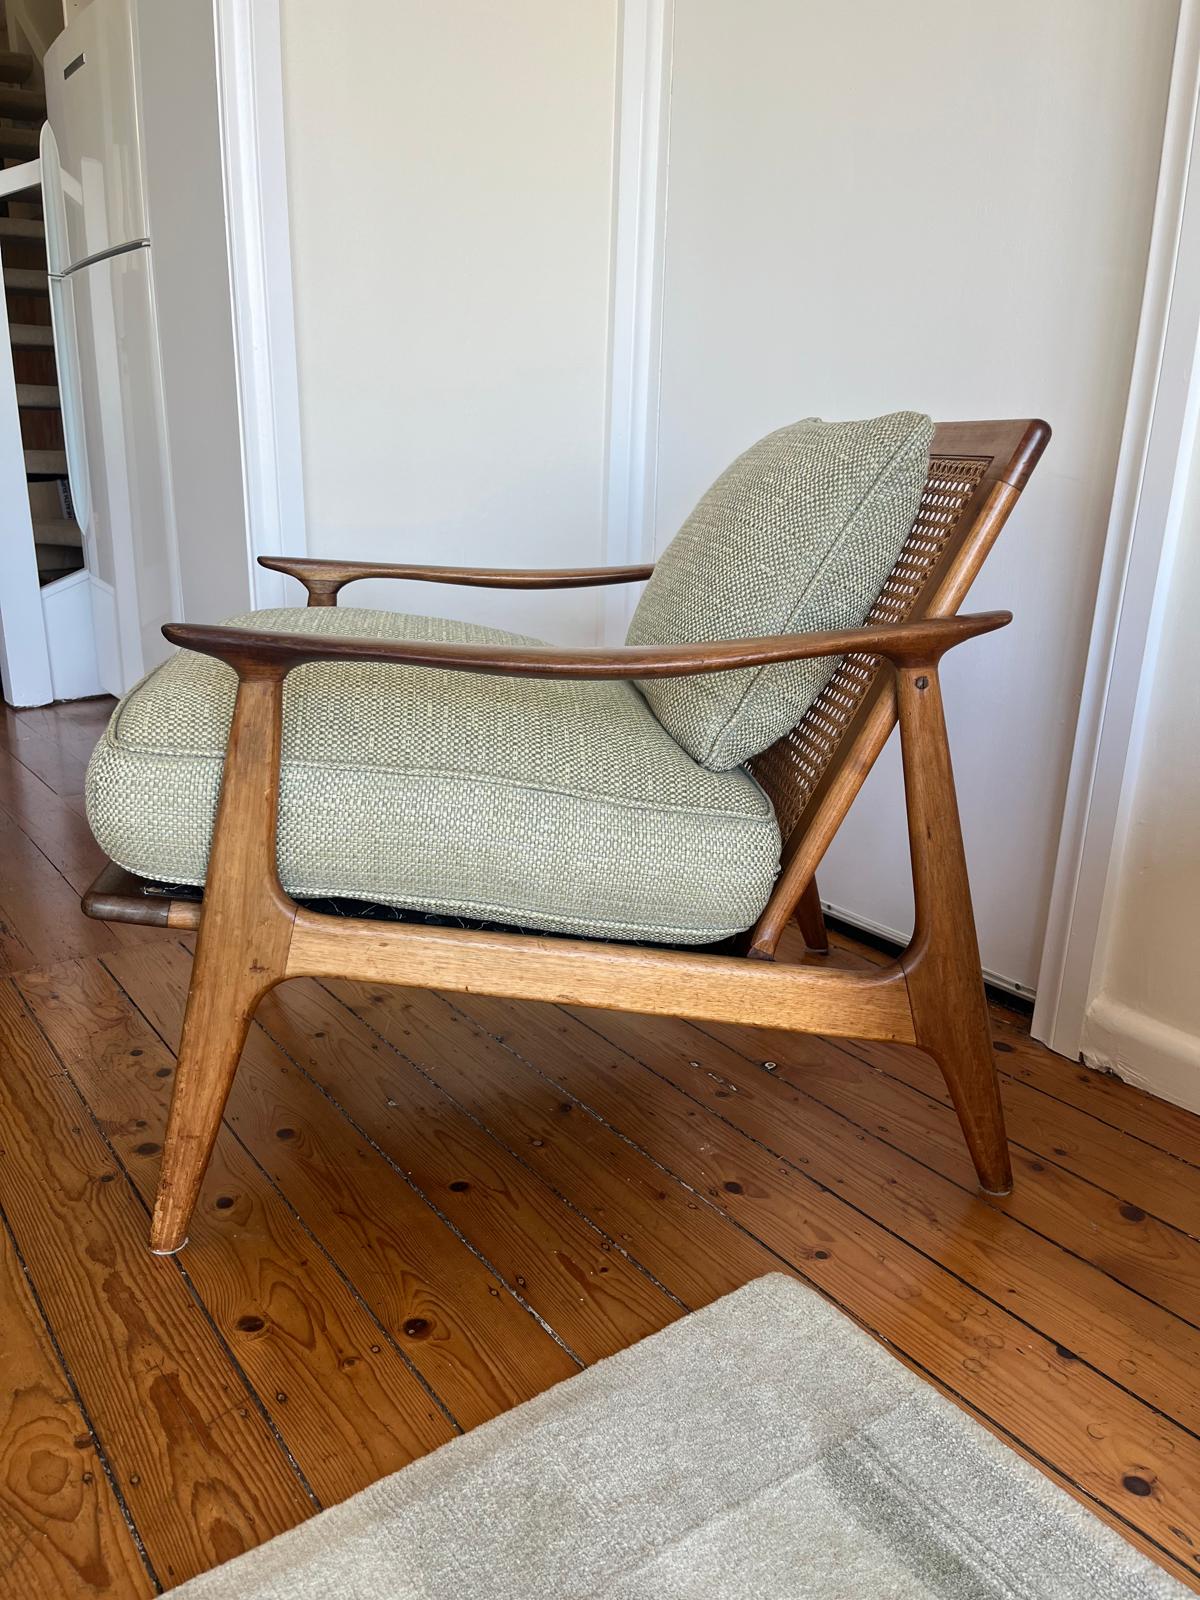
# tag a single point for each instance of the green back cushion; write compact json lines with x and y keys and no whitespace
{"x":798,"y":535}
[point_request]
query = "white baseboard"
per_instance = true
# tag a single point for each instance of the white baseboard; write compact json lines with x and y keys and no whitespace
{"x":70,"y":637}
{"x":1149,"y":1054}
{"x":1143,"y":1051}
{"x":896,"y":936}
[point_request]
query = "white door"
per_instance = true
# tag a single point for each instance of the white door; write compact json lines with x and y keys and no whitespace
{"x":944,"y":207}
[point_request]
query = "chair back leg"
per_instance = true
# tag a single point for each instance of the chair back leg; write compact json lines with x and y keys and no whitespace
{"x":942,"y":968}
{"x":811,"y":919}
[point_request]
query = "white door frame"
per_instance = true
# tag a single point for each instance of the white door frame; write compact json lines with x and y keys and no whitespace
{"x":635,"y":319}
{"x":1158,"y":440}
{"x":250,"y":97}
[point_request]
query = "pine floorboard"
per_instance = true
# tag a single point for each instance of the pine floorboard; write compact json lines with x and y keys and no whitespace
{"x":425,"y":1209}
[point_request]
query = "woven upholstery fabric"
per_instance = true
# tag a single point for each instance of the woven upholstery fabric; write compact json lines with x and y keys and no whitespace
{"x":555,"y":805}
{"x":797,"y":536}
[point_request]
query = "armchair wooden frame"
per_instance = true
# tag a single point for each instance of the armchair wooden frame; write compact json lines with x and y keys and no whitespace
{"x":252,"y":934}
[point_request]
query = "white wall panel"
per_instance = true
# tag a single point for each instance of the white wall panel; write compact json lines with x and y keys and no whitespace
{"x":450,"y":185}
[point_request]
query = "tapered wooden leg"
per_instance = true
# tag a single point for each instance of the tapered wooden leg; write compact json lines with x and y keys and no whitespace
{"x":811,"y":920}
{"x":945,"y":981}
{"x":241,"y":952}
{"x":214,"y":1030}
{"x":955,"y":1031}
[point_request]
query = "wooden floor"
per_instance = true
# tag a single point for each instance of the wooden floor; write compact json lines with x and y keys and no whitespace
{"x":424,"y":1210}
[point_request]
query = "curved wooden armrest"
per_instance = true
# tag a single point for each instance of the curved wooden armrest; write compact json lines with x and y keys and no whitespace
{"x":255,"y":654}
{"x":323,"y":579}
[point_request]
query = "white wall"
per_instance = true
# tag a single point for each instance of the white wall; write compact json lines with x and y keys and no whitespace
{"x":1144,"y":1018}
{"x":941,"y":206}
{"x":450,"y":187}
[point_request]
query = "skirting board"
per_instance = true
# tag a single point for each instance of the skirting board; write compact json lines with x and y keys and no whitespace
{"x":900,"y":938}
{"x":1142,"y":1051}
{"x":1150,"y":1054}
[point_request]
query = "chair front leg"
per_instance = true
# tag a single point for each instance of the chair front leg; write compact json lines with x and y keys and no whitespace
{"x":942,"y":967}
{"x":241,"y":952}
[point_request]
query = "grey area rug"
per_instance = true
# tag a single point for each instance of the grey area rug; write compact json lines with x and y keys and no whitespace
{"x":762,"y":1449}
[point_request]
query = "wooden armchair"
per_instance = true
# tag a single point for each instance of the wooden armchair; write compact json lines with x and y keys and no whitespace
{"x":252,"y":934}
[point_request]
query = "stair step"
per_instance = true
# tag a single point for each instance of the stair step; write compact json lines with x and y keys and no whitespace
{"x":20,"y":142}
{"x":15,"y":67}
{"x":28,"y":105}
{"x":38,"y":396}
{"x":31,"y":336}
{"x":59,"y":534}
{"x":26,"y":280}
{"x":21,"y":228}
{"x":46,"y":463}
{"x":66,"y":556}
{"x":27,"y":202}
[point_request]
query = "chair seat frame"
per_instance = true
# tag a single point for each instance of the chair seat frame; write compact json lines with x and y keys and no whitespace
{"x":253,"y":935}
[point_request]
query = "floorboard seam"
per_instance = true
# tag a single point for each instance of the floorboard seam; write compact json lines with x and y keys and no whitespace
{"x":966,"y":1283}
{"x":507,"y":1148}
{"x":433,"y":1206}
{"x":887,"y":1144}
{"x":1126,"y":1133}
{"x":350,"y":1285}
{"x":255,"y":1398}
{"x":872,"y":1065}
{"x":69,"y":1378}
{"x":845,"y":1309}
{"x":1016,"y":1077}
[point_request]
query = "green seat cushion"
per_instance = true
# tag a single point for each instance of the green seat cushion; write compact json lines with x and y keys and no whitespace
{"x":798,"y":535}
{"x":562,"y":806}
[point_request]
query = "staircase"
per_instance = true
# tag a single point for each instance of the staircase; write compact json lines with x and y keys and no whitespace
{"x":23,"y":251}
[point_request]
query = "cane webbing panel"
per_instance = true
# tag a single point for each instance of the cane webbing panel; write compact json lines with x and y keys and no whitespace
{"x":793,"y":766}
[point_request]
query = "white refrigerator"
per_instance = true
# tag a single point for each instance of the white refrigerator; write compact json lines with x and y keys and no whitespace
{"x":139,"y":279}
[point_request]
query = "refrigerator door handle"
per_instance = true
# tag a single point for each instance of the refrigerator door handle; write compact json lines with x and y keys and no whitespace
{"x":102,"y":255}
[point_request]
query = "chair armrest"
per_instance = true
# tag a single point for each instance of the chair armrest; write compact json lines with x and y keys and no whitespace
{"x":323,"y":579}
{"x":255,"y":654}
